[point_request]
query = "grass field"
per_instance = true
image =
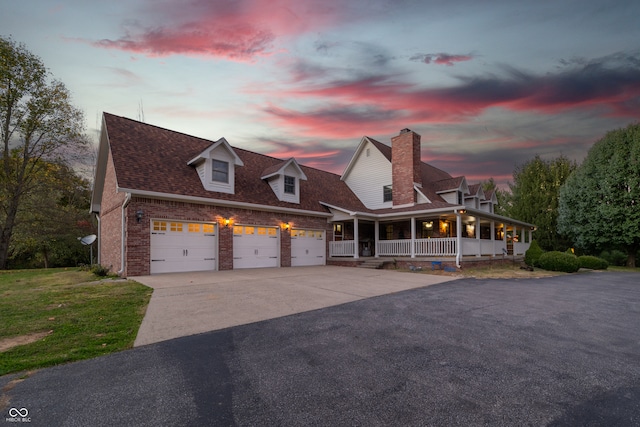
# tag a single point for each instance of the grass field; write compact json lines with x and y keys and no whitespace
{"x":54,"y":316}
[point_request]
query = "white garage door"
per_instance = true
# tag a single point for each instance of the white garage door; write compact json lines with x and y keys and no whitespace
{"x":255,"y":246}
{"x":182,"y":246}
{"x":307,"y":247}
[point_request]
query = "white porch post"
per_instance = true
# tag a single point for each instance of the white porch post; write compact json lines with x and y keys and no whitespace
{"x":413,"y":237}
{"x":478,"y":237}
{"x":530,"y":235}
{"x":493,"y":238}
{"x":458,"y":239}
{"x":504,"y":236}
{"x":356,"y":238}
{"x":376,"y":237}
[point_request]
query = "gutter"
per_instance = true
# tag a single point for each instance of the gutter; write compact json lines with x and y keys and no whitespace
{"x":127,"y":199}
{"x":219,"y":202}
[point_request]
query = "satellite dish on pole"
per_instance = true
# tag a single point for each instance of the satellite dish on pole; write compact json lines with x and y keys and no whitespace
{"x":87,"y":241}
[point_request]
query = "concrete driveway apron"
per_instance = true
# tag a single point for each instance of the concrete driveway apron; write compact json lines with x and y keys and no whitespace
{"x":190,"y":303}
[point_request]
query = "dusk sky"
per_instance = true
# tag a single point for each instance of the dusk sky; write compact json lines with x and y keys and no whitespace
{"x":488,"y":84}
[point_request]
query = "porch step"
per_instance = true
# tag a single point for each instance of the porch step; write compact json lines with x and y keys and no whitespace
{"x":371,"y":263}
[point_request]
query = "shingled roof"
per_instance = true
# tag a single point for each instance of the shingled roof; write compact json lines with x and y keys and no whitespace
{"x":149,"y":158}
{"x":154,"y":159}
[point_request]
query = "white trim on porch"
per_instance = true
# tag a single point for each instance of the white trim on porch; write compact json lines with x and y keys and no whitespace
{"x":457,"y":246}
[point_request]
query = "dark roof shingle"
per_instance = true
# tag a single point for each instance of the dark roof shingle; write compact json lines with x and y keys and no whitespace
{"x":150,"y":158}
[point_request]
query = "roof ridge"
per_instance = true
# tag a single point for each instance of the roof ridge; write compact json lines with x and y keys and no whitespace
{"x":160,"y":127}
{"x":283,"y":160}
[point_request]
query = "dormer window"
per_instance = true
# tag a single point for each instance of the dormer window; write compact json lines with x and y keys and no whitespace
{"x":220,"y":171}
{"x":289,"y":184}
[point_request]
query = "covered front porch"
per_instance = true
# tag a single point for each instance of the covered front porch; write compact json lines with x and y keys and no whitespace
{"x":458,"y":235}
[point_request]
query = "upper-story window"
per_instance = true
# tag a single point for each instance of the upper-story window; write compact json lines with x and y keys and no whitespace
{"x":289,"y":184}
{"x":220,"y":171}
{"x":387,"y":193}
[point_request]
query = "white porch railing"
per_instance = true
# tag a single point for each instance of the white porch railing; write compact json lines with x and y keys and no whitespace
{"x":436,"y":247}
{"x":472,"y":246}
{"x":401,"y":247}
{"x":342,"y":248}
{"x":519,"y":248}
{"x":429,"y":247}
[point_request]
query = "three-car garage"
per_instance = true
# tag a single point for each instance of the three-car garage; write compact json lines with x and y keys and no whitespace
{"x":180,"y":246}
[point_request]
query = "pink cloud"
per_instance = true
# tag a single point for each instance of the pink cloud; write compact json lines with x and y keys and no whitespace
{"x":334,"y":121}
{"x":236,"y":30}
{"x":440,"y":58}
{"x":606,"y":86}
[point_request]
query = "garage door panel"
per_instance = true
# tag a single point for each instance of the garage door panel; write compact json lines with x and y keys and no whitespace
{"x":182,"y":246}
{"x":255,"y":246}
{"x":308,"y":247}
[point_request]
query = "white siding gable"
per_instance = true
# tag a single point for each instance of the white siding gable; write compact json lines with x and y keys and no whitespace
{"x":486,"y":206}
{"x":471,"y":202}
{"x":367,"y":175}
{"x":450,"y":197}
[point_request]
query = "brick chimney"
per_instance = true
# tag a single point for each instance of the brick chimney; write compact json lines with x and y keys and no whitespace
{"x":405,"y":167}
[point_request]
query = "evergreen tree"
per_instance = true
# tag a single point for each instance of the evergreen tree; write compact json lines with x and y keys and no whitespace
{"x":534,"y":197}
{"x":600,"y":203}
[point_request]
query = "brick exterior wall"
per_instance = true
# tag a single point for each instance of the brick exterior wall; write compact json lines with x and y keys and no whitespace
{"x":110,"y":243}
{"x":405,"y":167}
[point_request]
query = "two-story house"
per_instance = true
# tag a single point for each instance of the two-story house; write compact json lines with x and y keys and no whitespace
{"x":169,"y":202}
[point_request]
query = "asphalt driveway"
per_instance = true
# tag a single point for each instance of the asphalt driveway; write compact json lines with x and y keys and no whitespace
{"x":184,"y":304}
{"x":559,"y":351}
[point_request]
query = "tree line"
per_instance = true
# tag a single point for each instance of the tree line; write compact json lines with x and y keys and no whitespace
{"x":44,"y":201}
{"x":593,"y":207}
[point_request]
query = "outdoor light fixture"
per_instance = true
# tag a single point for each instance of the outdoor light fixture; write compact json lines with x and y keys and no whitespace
{"x":462,"y":211}
{"x":226,"y":221}
{"x":139,"y":215}
{"x":285,"y":225}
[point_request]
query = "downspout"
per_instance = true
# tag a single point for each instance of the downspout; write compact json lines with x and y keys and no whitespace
{"x":127,"y":199}
{"x":458,"y":237}
{"x":99,"y":240}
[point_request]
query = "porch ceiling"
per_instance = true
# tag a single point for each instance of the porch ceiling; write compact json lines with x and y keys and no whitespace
{"x":449,"y":214}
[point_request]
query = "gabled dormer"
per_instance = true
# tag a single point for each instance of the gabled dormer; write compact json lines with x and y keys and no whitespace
{"x":476,"y":194}
{"x":284,"y":179}
{"x":452,"y":190}
{"x":216,"y":167}
{"x":489,"y":202}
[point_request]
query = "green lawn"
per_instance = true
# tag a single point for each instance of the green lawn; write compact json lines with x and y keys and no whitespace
{"x":71,"y":314}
